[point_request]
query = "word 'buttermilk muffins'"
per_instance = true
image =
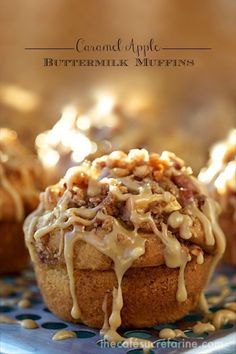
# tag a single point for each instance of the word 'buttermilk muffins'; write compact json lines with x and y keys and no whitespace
{"x":220,"y":177}
{"x":125,"y":240}
{"x":20,"y":181}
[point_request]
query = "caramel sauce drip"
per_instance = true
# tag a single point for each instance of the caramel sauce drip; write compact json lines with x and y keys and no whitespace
{"x":28,"y":324}
{"x":201,"y":328}
{"x":222,"y":317}
{"x":134,"y":342}
{"x":63,"y":334}
{"x":231,"y":306}
{"x":7,"y":320}
{"x":168,"y":333}
{"x":214,"y":300}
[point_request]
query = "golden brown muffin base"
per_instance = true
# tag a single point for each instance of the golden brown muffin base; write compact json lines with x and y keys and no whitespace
{"x":13,"y":253}
{"x":229,"y":227}
{"x":149,"y":293}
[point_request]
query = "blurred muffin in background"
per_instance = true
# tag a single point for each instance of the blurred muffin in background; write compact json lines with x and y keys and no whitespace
{"x":184,"y":144}
{"x":220,"y":177}
{"x":20,"y":181}
{"x":75,"y":137}
{"x":109,"y":126}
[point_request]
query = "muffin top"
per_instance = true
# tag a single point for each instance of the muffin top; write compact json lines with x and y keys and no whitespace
{"x":220,"y":175}
{"x":20,"y":178}
{"x":135,"y":196}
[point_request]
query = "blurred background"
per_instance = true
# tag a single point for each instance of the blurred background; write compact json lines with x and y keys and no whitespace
{"x":183,"y":109}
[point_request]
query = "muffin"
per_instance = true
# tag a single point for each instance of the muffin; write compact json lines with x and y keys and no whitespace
{"x":220,"y":177}
{"x":20,"y":181}
{"x":125,"y":240}
{"x":100,"y":130}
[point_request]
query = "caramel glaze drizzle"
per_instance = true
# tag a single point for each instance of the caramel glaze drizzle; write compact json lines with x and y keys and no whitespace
{"x":14,"y":194}
{"x":11,"y":156}
{"x":220,"y":174}
{"x":137,"y":197}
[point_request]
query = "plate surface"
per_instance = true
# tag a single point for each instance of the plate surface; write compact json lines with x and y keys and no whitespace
{"x":17,"y":340}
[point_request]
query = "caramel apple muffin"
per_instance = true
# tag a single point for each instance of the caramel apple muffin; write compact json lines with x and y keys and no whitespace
{"x":20,"y":181}
{"x":126,"y":240}
{"x":220,"y":178}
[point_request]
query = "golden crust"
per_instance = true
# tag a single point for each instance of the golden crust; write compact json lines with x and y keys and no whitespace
{"x":149,"y":293}
{"x":88,"y":257}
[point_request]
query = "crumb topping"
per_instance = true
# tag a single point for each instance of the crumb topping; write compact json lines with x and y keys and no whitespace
{"x":107,"y":183}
